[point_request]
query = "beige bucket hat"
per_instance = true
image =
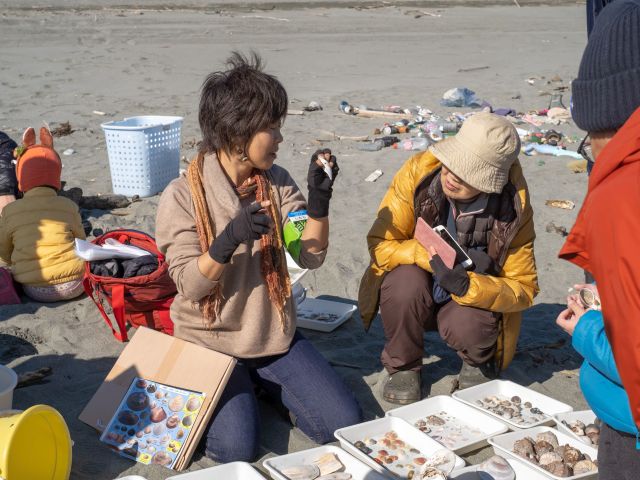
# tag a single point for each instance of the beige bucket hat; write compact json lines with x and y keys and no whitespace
{"x":482,"y":152}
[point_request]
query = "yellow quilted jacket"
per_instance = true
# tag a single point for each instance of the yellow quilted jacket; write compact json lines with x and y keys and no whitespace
{"x":37,"y":238}
{"x":391,"y":243}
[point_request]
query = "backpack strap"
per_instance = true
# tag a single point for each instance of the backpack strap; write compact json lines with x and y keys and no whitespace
{"x":117,"y":304}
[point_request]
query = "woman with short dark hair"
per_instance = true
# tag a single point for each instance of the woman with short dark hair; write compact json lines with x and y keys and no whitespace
{"x":220,"y":227}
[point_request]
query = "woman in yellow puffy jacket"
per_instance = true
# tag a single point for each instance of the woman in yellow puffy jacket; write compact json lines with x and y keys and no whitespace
{"x":37,"y":232}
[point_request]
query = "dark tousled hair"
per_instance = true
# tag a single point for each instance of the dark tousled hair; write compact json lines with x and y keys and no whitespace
{"x":237,"y":103}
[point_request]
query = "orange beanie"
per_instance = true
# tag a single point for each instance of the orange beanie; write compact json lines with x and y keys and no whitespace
{"x":38,"y":165}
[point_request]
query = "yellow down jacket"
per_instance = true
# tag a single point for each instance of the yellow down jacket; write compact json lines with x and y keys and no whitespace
{"x":37,"y":238}
{"x":391,"y":243}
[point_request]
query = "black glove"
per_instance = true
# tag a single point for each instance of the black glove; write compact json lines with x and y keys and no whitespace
{"x":454,"y":281}
{"x":482,"y":262}
{"x":320,"y":185}
{"x":250,"y":224}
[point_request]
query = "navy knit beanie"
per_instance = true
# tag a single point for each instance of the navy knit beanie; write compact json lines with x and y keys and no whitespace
{"x":607,"y":90}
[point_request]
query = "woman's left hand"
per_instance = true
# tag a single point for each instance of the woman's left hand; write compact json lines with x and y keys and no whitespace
{"x":569,"y":318}
{"x":320,"y":184}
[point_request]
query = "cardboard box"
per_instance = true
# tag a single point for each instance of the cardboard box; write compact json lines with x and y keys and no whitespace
{"x":161,"y":358}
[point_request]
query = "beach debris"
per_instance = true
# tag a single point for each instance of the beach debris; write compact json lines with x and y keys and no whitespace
{"x":564,"y":204}
{"x":531,"y":80}
{"x":559,"y":115}
{"x":577,"y":166}
{"x":559,"y":229}
{"x":107,"y":201}
{"x":373,"y":176}
{"x":460,"y":97}
{"x":69,"y":151}
{"x":556,"y":151}
{"x":472,"y":69}
{"x":495,"y":468}
{"x":378,"y":144}
{"x":295,"y":112}
{"x":62,"y":130}
{"x":98,"y":112}
{"x":364,"y":111}
{"x":36,"y":376}
{"x":313,"y":107}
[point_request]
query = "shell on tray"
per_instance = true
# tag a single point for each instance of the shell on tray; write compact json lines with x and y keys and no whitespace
{"x":301,"y":472}
{"x":524,"y":448}
{"x":336,"y":476}
{"x":584,"y":466}
{"x":542,"y":447}
{"x":495,"y":468}
{"x":571,"y":455}
{"x":559,"y":469}
{"x":444,"y":460}
{"x":548,"y":437}
{"x":328,"y":463}
{"x":431,"y":473}
{"x":548,"y":458}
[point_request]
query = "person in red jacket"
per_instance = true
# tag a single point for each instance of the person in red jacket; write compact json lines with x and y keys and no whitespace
{"x":604,"y":239}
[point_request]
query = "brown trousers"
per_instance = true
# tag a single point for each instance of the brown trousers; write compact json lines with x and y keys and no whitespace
{"x":408,"y":311}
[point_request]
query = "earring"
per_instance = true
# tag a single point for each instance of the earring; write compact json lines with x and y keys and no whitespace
{"x":244,"y":158}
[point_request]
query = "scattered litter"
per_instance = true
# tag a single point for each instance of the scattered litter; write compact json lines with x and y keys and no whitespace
{"x":531,"y":80}
{"x":364,"y":111}
{"x":559,"y":229}
{"x":335,"y":136}
{"x":295,"y":112}
{"x":577,"y":166}
{"x":312,"y":107}
{"x":62,"y":130}
{"x":564,"y":204}
{"x":550,"y":150}
{"x":373,"y":176}
{"x":263,"y":17}
{"x":413,"y":144}
{"x":460,"y":97}
{"x":472,"y":69}
{"x":69,"y":151}
{"x":378,"y":144}
{"x":98,"y":112}
{"x":559,"y":114}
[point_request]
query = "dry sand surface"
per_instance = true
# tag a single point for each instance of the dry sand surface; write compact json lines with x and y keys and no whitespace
{"x":61,"y":65}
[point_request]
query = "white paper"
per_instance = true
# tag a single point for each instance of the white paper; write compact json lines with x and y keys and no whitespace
{"x":90,"y":252}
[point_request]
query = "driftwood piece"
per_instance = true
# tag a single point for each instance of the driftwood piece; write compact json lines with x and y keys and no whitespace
{"x":29,"y":378}
{"x":107,"y":201}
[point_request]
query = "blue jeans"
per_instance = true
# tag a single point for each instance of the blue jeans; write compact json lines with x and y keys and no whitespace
{"x":317,"y":400}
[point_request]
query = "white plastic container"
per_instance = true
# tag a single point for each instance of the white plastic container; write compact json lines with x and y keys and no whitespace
{"x":144,"y":153}
{"x":348,"y":436}
{"x":466,"y":419}
{"x":228,"y":471}
{"x":508,"y":389}
{"x":585,"y":416}
{"x":295,"y":272}
{"x":522,"y":472}
{"x":503,"y":445}
{"x":131,"y":477}
{"x":8,"y":382}
{"x":321,"y":309}
{"x":355,"y":467}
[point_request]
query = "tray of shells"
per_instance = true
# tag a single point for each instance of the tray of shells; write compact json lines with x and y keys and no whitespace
{"x":322,"y":463}
{"x":228,"y":471}
{"x":454,"y":424}
{"x":549,"y":451}
{"x":498,"y":468}
{"x":517,"y":406}
{"x":323,"y":315}
{"x":583,"y":425}
{"x":394,"y":448}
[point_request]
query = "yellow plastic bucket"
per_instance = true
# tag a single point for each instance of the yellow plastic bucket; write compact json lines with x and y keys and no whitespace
{"x":34,"y":445}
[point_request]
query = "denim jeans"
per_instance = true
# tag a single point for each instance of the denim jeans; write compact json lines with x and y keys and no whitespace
{"x":317,"y":400}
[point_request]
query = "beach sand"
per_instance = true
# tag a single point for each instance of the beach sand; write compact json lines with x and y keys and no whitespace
{"x":61,"y":65}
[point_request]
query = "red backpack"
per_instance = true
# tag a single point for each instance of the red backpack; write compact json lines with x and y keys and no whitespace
{"x":142,"y":300}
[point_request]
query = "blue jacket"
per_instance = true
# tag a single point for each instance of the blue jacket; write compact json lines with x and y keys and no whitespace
{"x":599,"y":378}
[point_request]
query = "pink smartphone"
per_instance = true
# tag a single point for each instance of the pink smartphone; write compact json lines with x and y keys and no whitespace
{"x":444,"y":244}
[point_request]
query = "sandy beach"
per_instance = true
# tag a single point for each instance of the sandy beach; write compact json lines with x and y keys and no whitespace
{"x":62,"y":64}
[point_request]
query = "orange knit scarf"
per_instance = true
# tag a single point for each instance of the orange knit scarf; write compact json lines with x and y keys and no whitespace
{"x":272,"y":262}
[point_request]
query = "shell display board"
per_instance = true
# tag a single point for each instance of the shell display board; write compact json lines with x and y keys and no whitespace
{"x":153,"y":422}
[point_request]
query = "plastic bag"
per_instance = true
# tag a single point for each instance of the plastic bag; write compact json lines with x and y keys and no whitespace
{"x":460,"y":97}
{"x":90,"y":252}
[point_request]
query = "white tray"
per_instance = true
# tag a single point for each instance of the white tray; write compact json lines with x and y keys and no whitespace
{"x":503,"y":444}
{"x":585,"y":416}
{"x":316,"y":306}
{"x":356,"y":468}
{"x":523,"y":472}
{"x":349,"y":435}
{"x":508,"y":389}
{"x":469,"y":419}
{"x":228,"y":471}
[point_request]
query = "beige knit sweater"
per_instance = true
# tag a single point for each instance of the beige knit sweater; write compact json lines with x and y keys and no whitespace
{"x":249,"y":325}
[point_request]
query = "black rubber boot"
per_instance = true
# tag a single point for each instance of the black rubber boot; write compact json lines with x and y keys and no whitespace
{"x":402,"y":387}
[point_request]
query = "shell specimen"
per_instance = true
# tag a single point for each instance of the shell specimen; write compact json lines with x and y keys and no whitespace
{"x":431,"y":473}
{"x":513,"y":409}
{"x":173,"y":421}
{"x":548,"y":458}
{"x":187,"y":421}
{"x":176,"y":403}
{"x":137,"y":401}
{"x":161,"y":458}
{"x":559,"y":469}
{"x":301,"y":472}
{"x":571,"y":455}
{"x":193,"y":404}
{"x":495,"y":468}
{"x":328,"y":463}
{"x":157,"y":415}
{"x":541,"y":447}
{"x":561,"y":460}
{"x":336,"y":476}
{"x":584,"y":466}
{"x":548,"y":437}
{"x":127,"y":418}
{"x":524,"y":448}
{"x":435,"y":420}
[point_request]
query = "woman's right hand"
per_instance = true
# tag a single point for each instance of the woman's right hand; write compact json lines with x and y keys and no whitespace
{"x":250,"y":224}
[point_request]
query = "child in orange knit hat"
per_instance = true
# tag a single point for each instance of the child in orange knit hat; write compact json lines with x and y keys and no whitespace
{"x":37,"y":232}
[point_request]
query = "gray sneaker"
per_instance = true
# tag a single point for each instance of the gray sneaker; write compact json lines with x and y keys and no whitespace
{"x":471,"y":376}
{"x":402,"y":387}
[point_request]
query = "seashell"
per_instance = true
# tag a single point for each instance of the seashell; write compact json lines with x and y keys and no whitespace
{"x":137,"y":401}
{"x":577,"y":428}
{"x":328,"y":463}
{"x":571,"y":455}
{"x":161,"y":458}
{"x":542,"y":447}
{"x":431,"y":473}
{"x":187,"y":421}
{"x":591,"y":428}
{"x":559,"y":469}
{"x":159,"y":395}
{"x":141,"y":383}
{"x":565,"y":204}
{"x":443,"y":459}
{"x":151,"y":388}
{"x":180,"y":434}
{"x":435,"y":420}
{"x":524,"y":448}
{"x":548,"y":437}
{"x":159,"y":429}
{"x":301,"y":472}
{"x":165,"y":439}
{"x":594,"y":438}
{"x":128,"y":418}
{"x":584,"y":466}
{"x":336,"y":476}
{"x":193,"y":404}
{"x":151,"y":449}
{"x":173,"y":421}
{"x":495,"y":468}
{"x":139,"y":434}
{"x":176,"y":403}
{"x":157,"y":415}
{"x":516,"y":400}
{"x":527,"y":405}
{"x":549,"y":457}
{"x":147,"y":429}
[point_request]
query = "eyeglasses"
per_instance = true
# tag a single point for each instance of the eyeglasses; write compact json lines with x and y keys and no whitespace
{"x":585,"y":149}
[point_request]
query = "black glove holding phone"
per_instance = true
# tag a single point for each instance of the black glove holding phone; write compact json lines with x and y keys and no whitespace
{"x":320,"y":183}
{"x":454,"y":280}
{"x":250,"y":224}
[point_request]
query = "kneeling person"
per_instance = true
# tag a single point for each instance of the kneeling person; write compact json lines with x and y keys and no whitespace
{"x":473,"y":185}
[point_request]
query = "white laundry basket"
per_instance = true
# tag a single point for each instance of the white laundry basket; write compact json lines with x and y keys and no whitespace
{"x":144,"y":153}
